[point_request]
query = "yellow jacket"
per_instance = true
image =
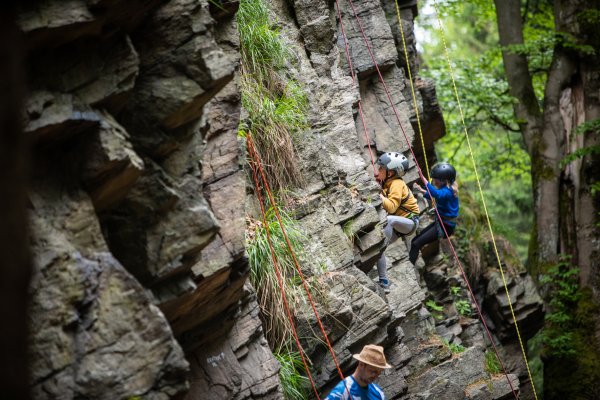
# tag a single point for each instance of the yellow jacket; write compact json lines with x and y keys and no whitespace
{"x":398,"y":194}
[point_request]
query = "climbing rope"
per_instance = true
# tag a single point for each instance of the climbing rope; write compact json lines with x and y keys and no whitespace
{"x":258,"y":165}
{"x":353,"y":74}
{"x":253,"y":165}
{"x":426,"y":187}
{"x":489,"y":224}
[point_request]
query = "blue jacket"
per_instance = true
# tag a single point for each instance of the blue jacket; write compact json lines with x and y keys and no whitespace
{"x":371,"y":392}
{"x":446,"y":202}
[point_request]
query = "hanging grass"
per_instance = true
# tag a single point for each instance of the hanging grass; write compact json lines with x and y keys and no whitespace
{"x":276,"y":106}
{"x":261,"y":45}
{"x":292,"y":375}
{"x":263,"y":277}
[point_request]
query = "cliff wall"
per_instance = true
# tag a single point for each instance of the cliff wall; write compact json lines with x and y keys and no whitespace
{"x":139,"y":200}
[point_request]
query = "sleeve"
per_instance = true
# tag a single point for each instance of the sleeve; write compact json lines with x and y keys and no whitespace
{"x":439,"y":194}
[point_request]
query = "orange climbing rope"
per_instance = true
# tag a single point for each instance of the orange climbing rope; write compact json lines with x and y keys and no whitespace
{"x":253,"y":165}
{"x":258,"y":166}
{"x":474,"y":300}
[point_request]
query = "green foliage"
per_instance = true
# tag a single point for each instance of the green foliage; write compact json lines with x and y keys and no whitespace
{"x":492,"y":364}
{"x":263,"y":275}
{"x":348,"y":230}
{"x":463,"y":307}
{"x":576,"y":375}
{"x":503,"y":164}
{"x":292,"y":375}
{"x":266,"y":111}
{"x":579,"y":153}
{"x":588,"y":127}
{"x":562,"y":285}
{"x":433,"y":306}
{"x":435,"y":309}
{"x":592,"y":126}
{"x":568,"y":41}
{"x":590,"y":16}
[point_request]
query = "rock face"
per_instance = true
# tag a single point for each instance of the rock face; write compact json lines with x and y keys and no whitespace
{"x":139,"y":202}
{"x":93,"y":324}
{"x":138,"y":232}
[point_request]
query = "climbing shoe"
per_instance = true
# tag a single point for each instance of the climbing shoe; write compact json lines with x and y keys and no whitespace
{"x":385,"y":285}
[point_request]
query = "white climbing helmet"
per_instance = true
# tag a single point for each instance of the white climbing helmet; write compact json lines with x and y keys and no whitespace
{"x":395,"y":162}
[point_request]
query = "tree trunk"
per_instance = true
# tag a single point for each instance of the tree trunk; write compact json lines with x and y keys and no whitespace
{"x":15,"y":263}
{"x":539,"y":135}
{"x":583,"y":102}
{"x":566,"y":209}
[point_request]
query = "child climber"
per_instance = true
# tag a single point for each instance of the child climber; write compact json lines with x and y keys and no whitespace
{"x":445,"y":191}
{"x":398,"y":201}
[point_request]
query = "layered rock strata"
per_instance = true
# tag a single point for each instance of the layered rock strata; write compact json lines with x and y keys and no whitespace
{"x":139,"y":202}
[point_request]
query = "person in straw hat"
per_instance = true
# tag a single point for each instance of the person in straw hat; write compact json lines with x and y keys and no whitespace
{"x":360,"y":385}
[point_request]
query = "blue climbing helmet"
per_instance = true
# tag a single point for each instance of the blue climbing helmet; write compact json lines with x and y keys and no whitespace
{"x":444,"y":172}
{"x":395,"y":162}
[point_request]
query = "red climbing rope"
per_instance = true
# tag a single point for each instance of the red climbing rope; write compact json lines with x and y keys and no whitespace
{"x":353,"y":74}
{"x":255,"y":156}
{"x":422,"y":177}
{"x":253,"y":165}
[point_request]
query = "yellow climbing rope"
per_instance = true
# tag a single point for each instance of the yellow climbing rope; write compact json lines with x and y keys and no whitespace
{"x":412,"y":87}
{"x":462,"y":119}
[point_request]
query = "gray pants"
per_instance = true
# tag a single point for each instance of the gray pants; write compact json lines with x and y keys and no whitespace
{"x":396,"y":226}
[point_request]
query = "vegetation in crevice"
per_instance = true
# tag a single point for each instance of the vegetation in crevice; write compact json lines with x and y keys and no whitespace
{"x":270,"y":291}
{"x":461,"y":303}
{"x":562,"y":289}
{"x":275,"y":103}
{"x":454,"y":348}
{"x":263,"y":275}
{"x":275,"y":108}
{"x":492,"y":364}
{"x":436,"y":310}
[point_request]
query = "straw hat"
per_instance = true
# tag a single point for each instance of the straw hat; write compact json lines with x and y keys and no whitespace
{"x":372,"y":355}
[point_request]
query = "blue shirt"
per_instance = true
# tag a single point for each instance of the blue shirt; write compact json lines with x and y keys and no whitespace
{"x":371,"y":392}
{"x":446,"y":202}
